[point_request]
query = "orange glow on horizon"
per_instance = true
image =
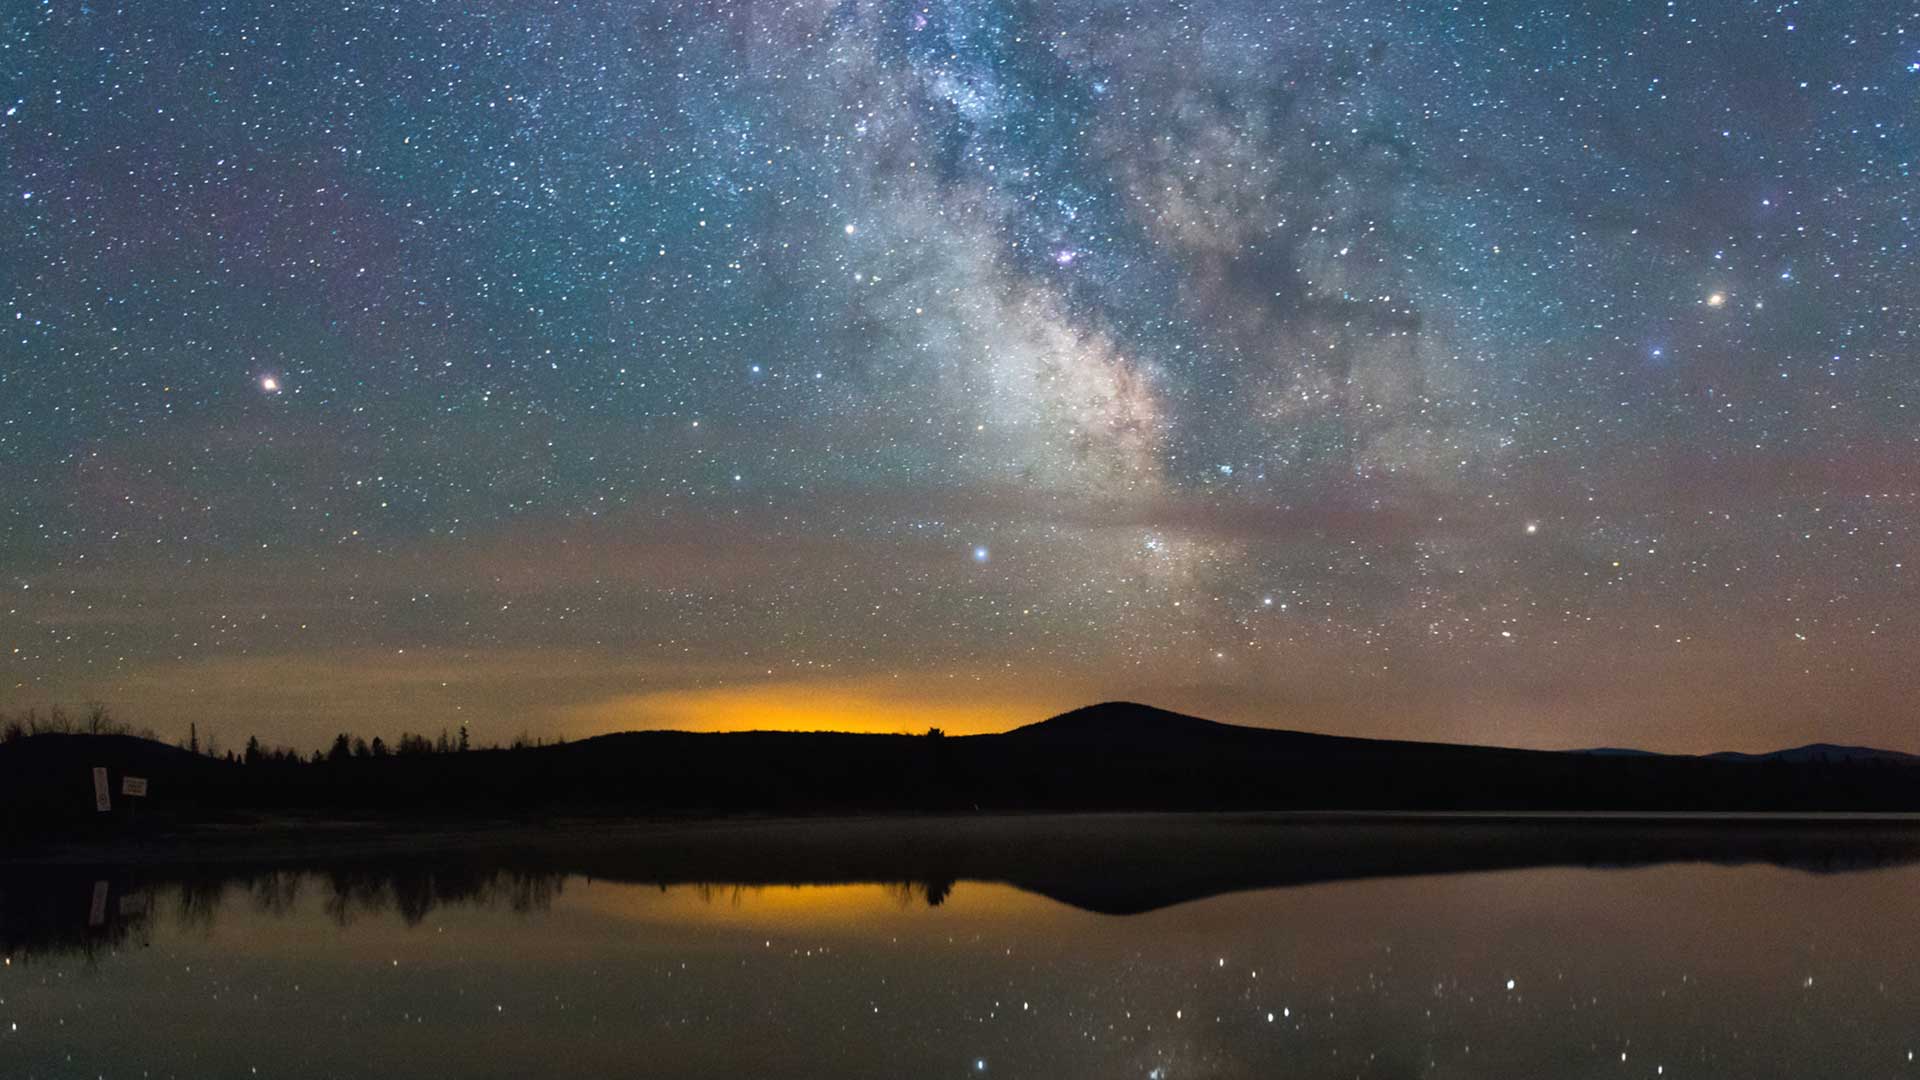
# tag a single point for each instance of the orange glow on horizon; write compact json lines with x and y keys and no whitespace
{"x":876,"y":707}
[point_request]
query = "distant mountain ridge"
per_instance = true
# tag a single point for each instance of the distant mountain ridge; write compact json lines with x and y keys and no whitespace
{"x":1828,"y":752}
{"x":1132,"y":720}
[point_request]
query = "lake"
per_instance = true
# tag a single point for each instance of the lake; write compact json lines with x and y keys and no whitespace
{"x":1161,"y":946}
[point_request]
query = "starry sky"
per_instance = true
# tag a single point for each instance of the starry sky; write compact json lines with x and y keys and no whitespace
{"x":1475,"y":372}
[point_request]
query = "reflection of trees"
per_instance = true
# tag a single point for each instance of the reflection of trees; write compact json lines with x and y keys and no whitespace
{"x":905,"y":894}
{"x":932,"y":892}
{"x":530,"y":893}
{"x":415,"y":893}
{"x":198,"y":904}
{"x":45,"y":914}
{"x":275,"y":893}
{"x":41,"y":913}
{"x":709,"y":892}
{"x":353,"y":892}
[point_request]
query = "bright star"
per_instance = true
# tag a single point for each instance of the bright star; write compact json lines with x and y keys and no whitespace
{"x":270,"y":384}
{"x":980,"y":554}
{"x":1716,"y":299}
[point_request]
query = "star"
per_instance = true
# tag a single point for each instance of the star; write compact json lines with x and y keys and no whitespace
{"x":1207,"y":353}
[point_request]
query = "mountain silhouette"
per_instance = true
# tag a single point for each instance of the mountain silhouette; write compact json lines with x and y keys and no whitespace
{"x":1822,"y":752}
{"x":1113,"y":756}
{"x":1129,"y":721}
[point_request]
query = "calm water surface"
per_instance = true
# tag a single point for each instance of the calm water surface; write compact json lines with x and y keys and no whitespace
{"x":1674,"y":970}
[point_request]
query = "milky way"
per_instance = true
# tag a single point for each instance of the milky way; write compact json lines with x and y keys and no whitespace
{"x":1479,"y":372}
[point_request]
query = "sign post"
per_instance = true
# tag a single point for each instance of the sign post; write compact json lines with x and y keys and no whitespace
{"x":133,"y":787}
{"x":102,"y":801}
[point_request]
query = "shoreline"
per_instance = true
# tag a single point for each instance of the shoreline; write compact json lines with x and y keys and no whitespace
{"x":302,"y":839}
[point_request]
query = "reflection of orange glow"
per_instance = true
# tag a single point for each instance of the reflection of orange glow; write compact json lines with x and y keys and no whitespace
{"x":875,"y":706}
{"x":861,"y":909}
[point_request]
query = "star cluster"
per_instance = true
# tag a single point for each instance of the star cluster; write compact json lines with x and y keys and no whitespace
{"x":1544,"y":376}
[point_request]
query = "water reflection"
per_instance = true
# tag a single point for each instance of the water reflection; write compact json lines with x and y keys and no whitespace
{"x":1116,"y":865}
{"x":61,"y":910}
{"x":1619,"y":952}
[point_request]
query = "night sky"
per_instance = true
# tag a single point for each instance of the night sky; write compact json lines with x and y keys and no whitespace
{"x":1468,"y":372}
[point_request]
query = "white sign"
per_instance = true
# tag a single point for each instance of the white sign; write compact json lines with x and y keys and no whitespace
{"x":135,"y":786}
{"x":101,"y":801}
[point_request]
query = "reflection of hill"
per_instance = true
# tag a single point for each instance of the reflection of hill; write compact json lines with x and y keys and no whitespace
{"x":1123,"y":864}
{"x":1111,"y":864}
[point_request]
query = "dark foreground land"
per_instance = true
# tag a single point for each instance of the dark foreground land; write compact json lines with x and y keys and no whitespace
{"x":1114,"y":757}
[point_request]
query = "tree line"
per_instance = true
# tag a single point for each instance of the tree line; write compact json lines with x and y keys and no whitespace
{"x":347,"y":746}
{"x":93,"y":719}
{"x":97,"y":719}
